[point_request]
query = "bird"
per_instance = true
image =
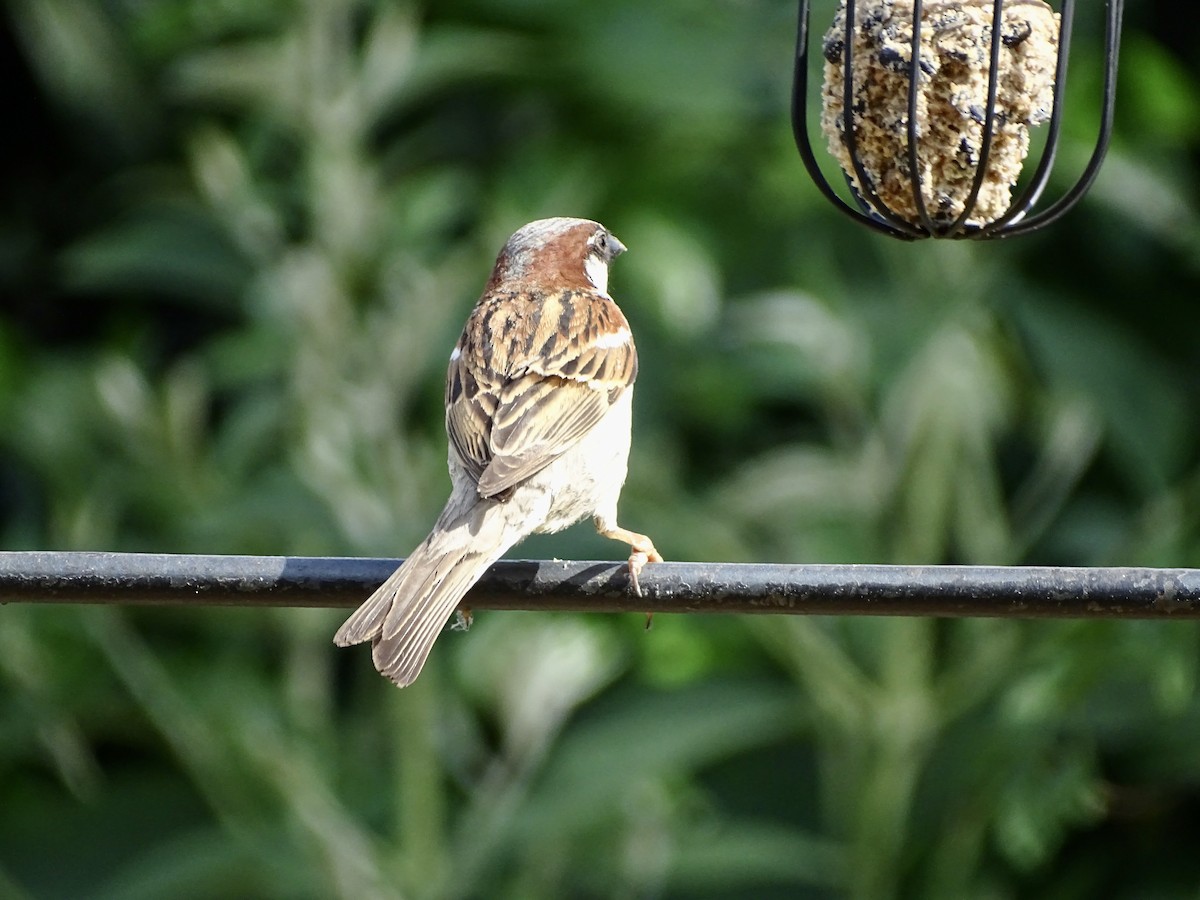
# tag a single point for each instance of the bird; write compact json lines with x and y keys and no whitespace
{"x":539,"y":395}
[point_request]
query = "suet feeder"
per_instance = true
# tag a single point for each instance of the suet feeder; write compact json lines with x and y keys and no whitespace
{"x":929,"y":107}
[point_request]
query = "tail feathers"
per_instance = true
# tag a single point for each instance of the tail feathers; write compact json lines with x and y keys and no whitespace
{"x":407,"y":612}
{"x":414,"y":622}
{"x":366,"y":622}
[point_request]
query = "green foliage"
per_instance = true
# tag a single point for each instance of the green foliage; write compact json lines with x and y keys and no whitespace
{"x":238,"y":240}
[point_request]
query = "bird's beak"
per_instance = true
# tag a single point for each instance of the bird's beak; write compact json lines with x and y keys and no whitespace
{"x":615,"y":246}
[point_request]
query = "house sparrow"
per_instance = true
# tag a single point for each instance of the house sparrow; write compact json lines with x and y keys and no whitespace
{"x":539,"y":396}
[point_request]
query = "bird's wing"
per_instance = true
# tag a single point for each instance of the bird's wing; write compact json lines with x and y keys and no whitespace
{"x":470,"y":406}
{"x":509,"y":430}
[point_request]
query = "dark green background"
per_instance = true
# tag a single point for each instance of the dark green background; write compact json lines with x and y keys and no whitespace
{"x":237,"y":241}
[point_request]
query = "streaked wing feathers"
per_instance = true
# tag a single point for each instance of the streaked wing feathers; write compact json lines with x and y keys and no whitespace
{"x":523,"y":389}
{"x":538,"y":419}
{"x":469,"y":411}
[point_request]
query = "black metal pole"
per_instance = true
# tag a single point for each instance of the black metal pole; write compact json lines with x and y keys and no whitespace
{"x":1010,"y":591}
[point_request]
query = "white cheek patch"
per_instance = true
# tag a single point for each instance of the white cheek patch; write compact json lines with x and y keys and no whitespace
{"x":613,"y":339}
{"x":597,"y":273}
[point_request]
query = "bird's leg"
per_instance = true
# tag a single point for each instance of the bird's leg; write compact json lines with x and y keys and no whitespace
{"x":642,"y":548}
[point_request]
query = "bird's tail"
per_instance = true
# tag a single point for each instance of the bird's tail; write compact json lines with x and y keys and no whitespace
{"x":406,"y":613}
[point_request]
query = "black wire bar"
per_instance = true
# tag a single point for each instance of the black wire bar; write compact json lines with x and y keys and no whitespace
{"x":872,"y":212}
{"x":681,"y":587}
{"x":1112,"y":46}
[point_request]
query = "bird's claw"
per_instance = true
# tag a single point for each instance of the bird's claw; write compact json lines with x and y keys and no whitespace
{"x":637,"y":560}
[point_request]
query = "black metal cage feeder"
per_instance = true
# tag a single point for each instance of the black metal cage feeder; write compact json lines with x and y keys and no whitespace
{"x":926,"y":155}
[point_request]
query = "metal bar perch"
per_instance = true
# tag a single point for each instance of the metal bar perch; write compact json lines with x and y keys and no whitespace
{"x":680,"y":587}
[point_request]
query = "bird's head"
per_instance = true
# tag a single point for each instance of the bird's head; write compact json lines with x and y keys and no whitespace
{"x":557,"y":253}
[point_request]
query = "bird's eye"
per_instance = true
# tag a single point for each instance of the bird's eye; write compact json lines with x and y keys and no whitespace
{"x":602,"y":242}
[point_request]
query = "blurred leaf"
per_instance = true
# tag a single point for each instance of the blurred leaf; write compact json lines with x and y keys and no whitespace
{"x":737,"y":855}
{"x":170,"y":252}
{"x":651,"y":736}
{"x":81,"y":54}
{"x":1158,"y":93}
{"x":1144,"y":410}
{"x":1041,"y":804}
